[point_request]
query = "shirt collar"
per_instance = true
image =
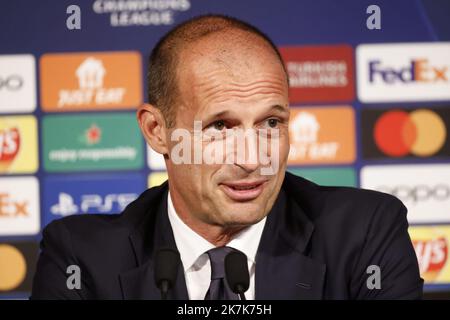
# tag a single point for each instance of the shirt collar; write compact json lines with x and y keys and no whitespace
{"x":192,"y":246}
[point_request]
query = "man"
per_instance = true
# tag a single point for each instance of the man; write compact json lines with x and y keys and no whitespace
{"x":212,"y":77}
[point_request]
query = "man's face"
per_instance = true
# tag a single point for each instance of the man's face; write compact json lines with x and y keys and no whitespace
{"x":230,"y":85}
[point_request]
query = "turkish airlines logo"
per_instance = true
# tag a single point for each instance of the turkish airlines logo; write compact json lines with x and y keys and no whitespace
{"x":91,"y":82}
{"x":319,"y":74}
{"x":316,"y":137}
{"x":19,"y":207}
{"x":403,"y":72}
{"x":17,"y":83}
{"x":399,"y":133}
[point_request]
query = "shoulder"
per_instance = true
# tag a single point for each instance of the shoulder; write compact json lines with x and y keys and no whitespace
{"x":342,"y":204}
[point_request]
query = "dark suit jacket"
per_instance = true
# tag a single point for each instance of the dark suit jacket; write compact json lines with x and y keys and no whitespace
{"x":317,"y":244}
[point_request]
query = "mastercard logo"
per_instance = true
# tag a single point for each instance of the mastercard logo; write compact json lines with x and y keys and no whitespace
{"x":13,"y":267}
{"x":398,"y":133}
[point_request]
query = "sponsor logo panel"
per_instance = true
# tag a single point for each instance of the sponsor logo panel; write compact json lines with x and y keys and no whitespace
{"x":104,"y":194}
{"x":403,"y":72}
{"x":400,"y":133}
{"x":17,"y":265}
{"x":423,"y":188}
{"x":92,"y":142}
{"x":156,"y":179}
{"x":155,"y":160}
{"x":322,"y":135}
{"x":319,"y":74}
{"x":90,"y":81}
{"x":19,"y":206}
{"x":431,"y":244}
{"x":18,"y":144}
{"x":328,"y":176}
{"x":17,"y":83}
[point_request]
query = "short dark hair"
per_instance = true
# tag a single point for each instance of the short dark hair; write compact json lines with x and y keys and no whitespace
{"x":162,"y":75}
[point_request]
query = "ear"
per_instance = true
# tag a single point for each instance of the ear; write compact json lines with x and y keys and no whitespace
{"x":153,"y":127}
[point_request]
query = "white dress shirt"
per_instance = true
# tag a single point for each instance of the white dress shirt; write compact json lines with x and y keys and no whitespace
{"x":195,"y":260}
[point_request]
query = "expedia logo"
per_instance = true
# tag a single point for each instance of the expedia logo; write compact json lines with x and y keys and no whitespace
{"x":419,"y":70}
{"x":399,"y":133}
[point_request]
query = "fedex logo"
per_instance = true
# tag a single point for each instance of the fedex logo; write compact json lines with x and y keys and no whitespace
{"x":403,"y":72}
{"x":419,"y":70}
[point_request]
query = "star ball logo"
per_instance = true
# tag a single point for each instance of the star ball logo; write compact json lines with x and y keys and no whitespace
{"x":398,"y":133}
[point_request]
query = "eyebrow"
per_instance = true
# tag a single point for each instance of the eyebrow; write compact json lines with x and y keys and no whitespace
{"x":220,"y":114}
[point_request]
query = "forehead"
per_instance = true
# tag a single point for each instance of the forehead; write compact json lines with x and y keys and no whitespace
{"x":233,"y":58}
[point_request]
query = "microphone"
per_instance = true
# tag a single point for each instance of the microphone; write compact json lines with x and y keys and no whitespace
{"x":236,"y":271}
{"x":166,"y":267}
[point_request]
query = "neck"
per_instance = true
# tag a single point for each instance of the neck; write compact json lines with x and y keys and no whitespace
{"x":215,"y":234}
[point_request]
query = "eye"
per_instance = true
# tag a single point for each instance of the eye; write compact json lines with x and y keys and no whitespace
{"x":218,"y":125}
{"x":272,"y":122}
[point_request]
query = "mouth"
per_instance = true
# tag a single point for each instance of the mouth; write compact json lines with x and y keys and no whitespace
{"x":243,"y":190}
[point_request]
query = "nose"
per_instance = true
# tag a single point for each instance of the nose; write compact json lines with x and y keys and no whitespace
{"x":247,"y":151}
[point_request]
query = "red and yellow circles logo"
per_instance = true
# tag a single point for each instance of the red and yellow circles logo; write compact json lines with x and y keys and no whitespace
{"x":13,"y":267}
{"x":398,"y":133}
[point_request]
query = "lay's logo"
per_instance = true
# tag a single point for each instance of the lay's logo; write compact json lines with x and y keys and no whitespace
{"x":431,"y":244}
{"x":403,"y":72}
{"x":18,"y":144}
{"x":432,"y":255}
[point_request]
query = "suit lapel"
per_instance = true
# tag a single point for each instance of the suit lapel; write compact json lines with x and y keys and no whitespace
{"x":283,"y":270}
{"x":152,"y":233}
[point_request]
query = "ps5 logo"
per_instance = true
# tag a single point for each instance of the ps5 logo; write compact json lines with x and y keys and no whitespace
{"x":91,"y":203}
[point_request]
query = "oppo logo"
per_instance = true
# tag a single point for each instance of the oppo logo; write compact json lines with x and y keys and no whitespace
{"x":398,"y":133}
{"x":13,"y":82}
{"x":440,"y":192}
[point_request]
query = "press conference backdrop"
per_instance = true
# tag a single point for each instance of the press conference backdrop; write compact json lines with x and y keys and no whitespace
{"x":370,"y":108}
